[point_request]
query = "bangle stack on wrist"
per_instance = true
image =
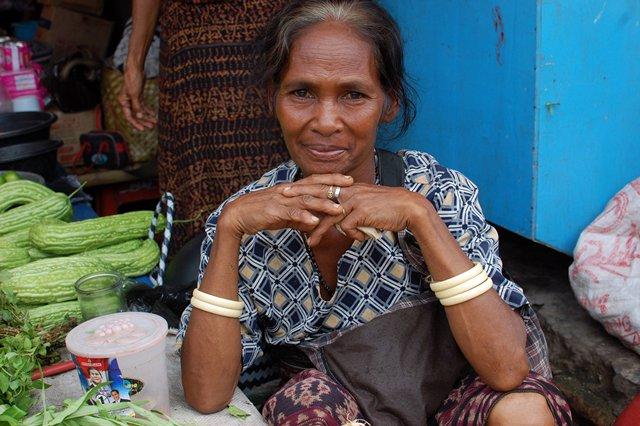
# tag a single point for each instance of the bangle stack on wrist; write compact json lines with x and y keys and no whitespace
{"x":463,"y":287}
{"x":216,"y":305}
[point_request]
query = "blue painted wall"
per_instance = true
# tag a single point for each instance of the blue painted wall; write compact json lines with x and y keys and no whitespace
{"x":588,"y":112}
{"x":537,"y":102}
{"x":474,"y":63}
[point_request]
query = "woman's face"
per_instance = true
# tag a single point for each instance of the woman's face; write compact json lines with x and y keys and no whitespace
{"x":330,"y":102}
{"x":94,"y":376}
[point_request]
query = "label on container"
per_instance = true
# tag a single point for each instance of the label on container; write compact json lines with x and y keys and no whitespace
{"x":93,"y":371}
{"x":25,"y":81}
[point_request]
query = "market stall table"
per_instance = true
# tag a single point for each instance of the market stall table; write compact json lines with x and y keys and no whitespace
{"x":112,"y":188}
{"x":67,"y":386}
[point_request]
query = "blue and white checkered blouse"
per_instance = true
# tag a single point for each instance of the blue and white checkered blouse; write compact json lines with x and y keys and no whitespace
{"x":280,"y":286}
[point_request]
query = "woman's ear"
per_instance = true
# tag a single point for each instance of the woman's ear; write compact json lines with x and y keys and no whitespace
{"x":390,"y":110}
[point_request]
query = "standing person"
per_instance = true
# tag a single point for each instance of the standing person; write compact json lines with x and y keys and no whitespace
{"x":216,"y":132}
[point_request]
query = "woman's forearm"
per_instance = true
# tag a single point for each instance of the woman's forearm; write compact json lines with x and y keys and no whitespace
{"x":491,"y":336}
{"x":144,"y":15}
{"x":211,"y":352}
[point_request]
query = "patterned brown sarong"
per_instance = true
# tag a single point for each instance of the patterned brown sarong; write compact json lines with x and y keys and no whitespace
{"x":312,"y":398}
{"x":215,"y":131}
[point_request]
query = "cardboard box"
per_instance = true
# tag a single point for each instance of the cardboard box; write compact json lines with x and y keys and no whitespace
{"x":66,"y":31}
{"x":68,"y":129}
{"x":93,"y":7}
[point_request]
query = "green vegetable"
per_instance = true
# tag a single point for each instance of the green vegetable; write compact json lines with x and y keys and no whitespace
{"x":120,"y":248}
{"x":54,"y":314}
{"x":49,"y":280}
{"x":10,"y":314}
{"x":14,"y":320}
{"x":79,"y":412}
{"x":2,"y":179}
{"x":78,"y":237}
{"x":23,"y":348}
{"x":19,"y":238}
{"x":12,"y":257}
{"x":21,"y":192}
{"x":17,"y":362}
{"x":36,"y":254}
{"x":236,"y":412}
{"x":11,"y":176}
{"x":130,"y":262}
{"x":56,"y":205}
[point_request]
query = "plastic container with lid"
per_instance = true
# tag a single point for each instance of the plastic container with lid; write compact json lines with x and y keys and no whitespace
{"x":126,"y":349}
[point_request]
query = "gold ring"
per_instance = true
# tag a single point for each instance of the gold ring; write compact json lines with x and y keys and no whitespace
{"x":344,"y":212}
{"x":330,"y":193}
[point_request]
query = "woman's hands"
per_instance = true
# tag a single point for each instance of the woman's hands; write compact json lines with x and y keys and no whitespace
{"x":137,"y":113}
{"x":362,"y":205}
{"x":278,"y":208}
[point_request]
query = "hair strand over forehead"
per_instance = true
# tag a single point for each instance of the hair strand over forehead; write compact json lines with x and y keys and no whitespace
{"x":370,"y":20}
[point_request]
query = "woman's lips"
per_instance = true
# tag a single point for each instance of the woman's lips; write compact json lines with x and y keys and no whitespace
{"x":324,"y":152}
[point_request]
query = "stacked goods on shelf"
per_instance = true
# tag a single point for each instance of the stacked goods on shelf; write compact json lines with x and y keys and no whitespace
{"x":42,"y":254}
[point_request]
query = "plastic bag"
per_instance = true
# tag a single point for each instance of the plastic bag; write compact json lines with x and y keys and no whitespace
{"x":605,"y":273}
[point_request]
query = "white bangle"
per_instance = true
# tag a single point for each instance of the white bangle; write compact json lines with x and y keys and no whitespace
{"x":458,"y":279}
{"x":217,"y":301}
{"x":213,"y":309}
{"x":465,"y":286}
{"x":468,"y":295}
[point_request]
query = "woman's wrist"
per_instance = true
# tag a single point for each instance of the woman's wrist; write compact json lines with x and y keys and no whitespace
{"x":420,"y":216}
{"x":221,"y":275}
{"x":439,"y":248}
{"x":228,"y":224}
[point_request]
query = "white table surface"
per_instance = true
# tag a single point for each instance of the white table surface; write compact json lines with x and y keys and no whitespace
{"x":67,"y":386}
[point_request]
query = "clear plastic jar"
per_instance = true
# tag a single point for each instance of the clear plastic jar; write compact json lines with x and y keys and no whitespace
{"x":101,"y":294}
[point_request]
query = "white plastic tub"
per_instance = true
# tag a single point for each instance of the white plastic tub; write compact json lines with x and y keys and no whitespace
{"x":126,"y":349}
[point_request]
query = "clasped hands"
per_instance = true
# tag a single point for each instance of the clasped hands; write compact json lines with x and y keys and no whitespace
{"x":305,"y":205}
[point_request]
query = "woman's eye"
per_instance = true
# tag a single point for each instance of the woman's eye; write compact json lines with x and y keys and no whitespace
{"x":352,"y":96}
{"x":301,"y":93}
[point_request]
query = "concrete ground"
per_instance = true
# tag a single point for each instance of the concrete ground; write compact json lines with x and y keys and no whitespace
{"x":596,"y":372}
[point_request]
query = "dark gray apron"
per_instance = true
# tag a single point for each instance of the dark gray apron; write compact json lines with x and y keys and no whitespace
{"x":401,"y":365}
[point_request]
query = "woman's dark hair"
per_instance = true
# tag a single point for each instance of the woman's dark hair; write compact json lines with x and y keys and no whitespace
{"x":371,"y":21}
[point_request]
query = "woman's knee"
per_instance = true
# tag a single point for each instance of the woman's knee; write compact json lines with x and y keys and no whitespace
{"x":311,"y":395}
{"x":521,"y":408}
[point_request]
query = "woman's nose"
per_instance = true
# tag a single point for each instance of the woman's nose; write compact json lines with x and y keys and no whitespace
{"x":327,"y":119}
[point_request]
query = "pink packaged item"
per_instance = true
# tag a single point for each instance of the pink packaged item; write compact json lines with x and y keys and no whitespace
{"x":24,"y":88}
{"x":16,"y":56}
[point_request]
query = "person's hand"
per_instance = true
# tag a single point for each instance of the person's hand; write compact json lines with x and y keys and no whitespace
{"x":140,"y":115}
{"x":270,"y":209}
{"x":365,"y":205}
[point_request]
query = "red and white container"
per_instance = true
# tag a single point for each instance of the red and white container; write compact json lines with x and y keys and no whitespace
{"x":126,"y":349}
{"x":15,"y":55}
{"x":19,"y":77}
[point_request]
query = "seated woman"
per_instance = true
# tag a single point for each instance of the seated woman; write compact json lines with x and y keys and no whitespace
{"x":318,"y":245}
